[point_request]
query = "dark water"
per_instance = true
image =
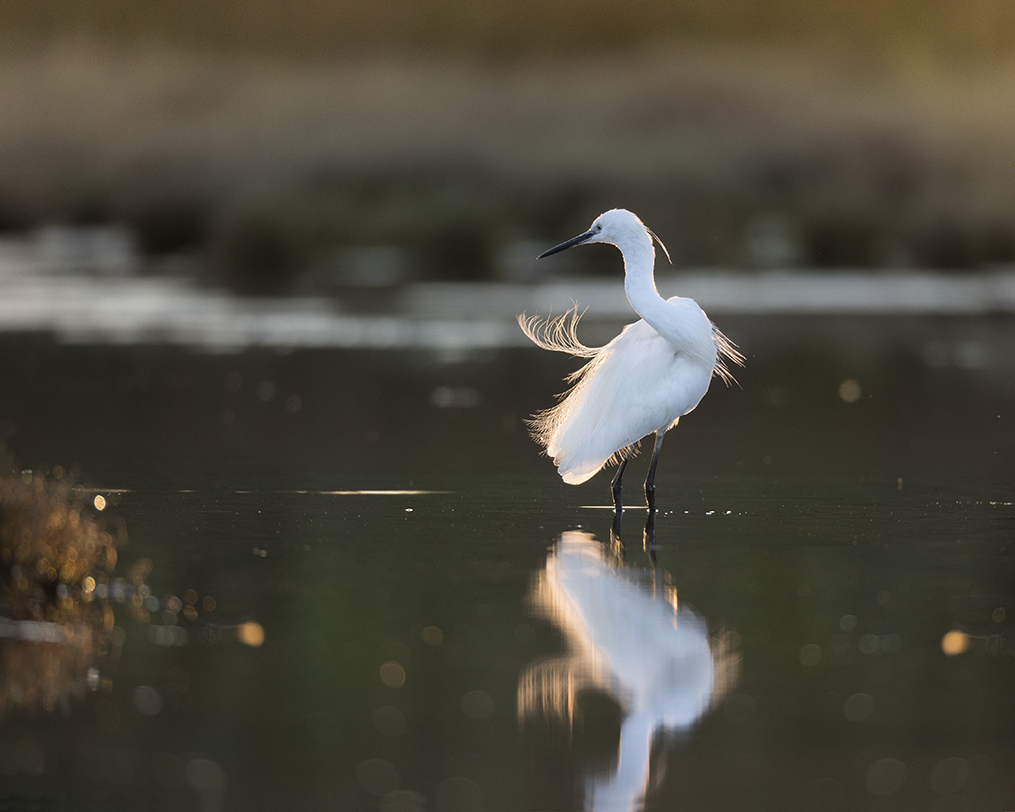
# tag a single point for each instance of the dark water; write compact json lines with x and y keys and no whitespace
{"x":446,"y":626}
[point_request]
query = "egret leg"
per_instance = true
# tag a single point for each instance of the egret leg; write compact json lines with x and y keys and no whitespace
{"x":649,"y":540}
{"x":615,"y":541}
{"x":616,"y":544}
{"x":650,"y":480}
{"x":616,"y":484}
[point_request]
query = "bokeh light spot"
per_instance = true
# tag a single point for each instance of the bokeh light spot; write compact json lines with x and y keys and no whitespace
{"x":810,"y":655}
{"x":478,"y":705}
{"x":403,"y":800}
{"x":458,"y":794}
{"x":823,"y":795}
{"x":885,"y":776}
{"x":524,"y":633}
{"x":99,"y":501}
{"x":208,"y":780}
{"x":444,"y":397}
{"x":740,"y":707}
{"x":467,"y":764}
{"x":393,"y":675}
{"x":377,"y":776}
{"x":868,"y":644}
{"x":850,"y":391}
{"x":858,"y":707}
{"x":388,"y":721}
{"x":147,"y":700}
{"x":250,"y":634}
{"x":955,"y":642}
{"x":433,"y":636}
{"x":265,"y":390}
{"x":233,"y":381}
{"x":949,"y":775}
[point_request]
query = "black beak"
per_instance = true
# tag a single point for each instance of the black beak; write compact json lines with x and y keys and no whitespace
{"x":565,"y":245}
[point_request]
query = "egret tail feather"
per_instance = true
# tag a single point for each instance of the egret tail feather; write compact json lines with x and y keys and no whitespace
{"x":559,"y":334}
{"x":726,"y":352}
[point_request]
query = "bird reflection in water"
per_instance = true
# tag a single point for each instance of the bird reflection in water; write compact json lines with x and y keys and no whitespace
{"x":626,"y":636}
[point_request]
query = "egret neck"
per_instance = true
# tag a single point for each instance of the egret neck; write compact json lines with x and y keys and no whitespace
{"x":663,"y":316}
{"x":639,"y":278}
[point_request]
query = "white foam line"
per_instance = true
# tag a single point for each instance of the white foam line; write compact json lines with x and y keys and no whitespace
{"x":130,"y":310}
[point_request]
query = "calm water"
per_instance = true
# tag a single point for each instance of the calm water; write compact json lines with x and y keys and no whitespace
{"x":359,"y":586}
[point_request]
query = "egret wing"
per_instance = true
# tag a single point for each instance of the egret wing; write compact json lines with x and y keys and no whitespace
{"x":635,"y":385}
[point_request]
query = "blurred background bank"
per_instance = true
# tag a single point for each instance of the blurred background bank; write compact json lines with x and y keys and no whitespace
{"x":320,"y":146}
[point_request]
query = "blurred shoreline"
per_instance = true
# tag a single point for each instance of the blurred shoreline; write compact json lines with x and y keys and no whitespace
{"x":738,"y":156}
{"x":116,"y":305}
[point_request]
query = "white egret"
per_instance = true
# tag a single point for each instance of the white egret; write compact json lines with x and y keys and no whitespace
{"x":643,"y":381}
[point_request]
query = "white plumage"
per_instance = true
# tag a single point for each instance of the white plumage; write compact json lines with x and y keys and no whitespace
{"x":657,"y":369}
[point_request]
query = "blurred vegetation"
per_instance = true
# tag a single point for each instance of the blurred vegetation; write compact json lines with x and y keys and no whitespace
{"x":973,"y":30}
{"x":52,"y":552}
{"x":279,"y":141}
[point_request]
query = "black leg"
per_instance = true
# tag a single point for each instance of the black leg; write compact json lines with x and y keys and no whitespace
{"x":616,"y":486}
{"x":649,"y":539}
{"x":650,"y":480}
{"x":616,"y":544}
{"x":615,"y":541}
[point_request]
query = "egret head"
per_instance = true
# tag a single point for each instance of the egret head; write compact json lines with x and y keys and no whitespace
{"x":617,"y":227}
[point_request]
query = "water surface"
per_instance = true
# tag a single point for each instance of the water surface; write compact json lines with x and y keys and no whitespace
{"x":342,"y":556}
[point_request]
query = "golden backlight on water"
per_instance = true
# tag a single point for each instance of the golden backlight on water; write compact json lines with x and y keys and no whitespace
{"x":955,"y":642}
{"x":250,"y":634}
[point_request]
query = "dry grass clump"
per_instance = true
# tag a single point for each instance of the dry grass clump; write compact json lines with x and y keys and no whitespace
{"x":49,"y":546}
{"x":51,"y":550}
